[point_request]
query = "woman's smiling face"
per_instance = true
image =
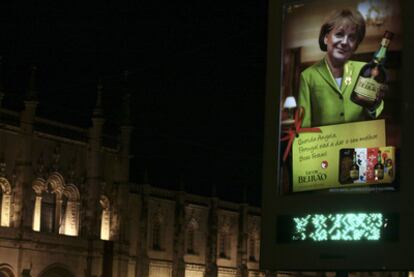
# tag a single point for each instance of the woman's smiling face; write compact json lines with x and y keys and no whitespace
{"x":341,"y":43}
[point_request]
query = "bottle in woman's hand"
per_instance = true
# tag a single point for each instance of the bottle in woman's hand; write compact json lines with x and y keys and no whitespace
{"x":371,"y":85}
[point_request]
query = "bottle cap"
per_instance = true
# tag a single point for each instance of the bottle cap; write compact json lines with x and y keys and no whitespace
{"x":388,"y":35}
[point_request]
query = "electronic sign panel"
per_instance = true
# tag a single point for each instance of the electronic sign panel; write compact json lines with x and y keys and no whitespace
{"x":336,"y":195}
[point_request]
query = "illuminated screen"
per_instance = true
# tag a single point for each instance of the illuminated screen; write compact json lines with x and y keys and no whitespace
{"x":337,"y":227}
{"x":340,"y":99}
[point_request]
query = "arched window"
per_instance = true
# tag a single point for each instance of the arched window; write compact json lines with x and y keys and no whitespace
{"x":224,"y":244}
{"x":56,"y":206}
{"x":157,"y":228}
{"x":56,"y":270}
{"x":191,"y":235}
{"x":190,"y":241}
{"x":5,"y":202}
{"x":252,"y":248}
{"x":6,"y":271}
{"x":105,"y":218}
{"x":70,"y":211}
{"x":253,"y":244}
{"x":156,"y":235}
{"x":48,"y":211}
{"x":39,"y":185}
{"x":226,"y":224}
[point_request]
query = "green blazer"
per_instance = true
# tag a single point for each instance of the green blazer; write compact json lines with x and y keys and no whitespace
{"x":324,"y":102}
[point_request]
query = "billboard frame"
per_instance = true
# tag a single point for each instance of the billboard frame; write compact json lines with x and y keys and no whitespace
{"x":333,"y":256}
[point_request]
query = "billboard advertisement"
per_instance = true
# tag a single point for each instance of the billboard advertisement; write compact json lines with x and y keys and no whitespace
{"x":337,"y":191}
{"x":340,"y":95}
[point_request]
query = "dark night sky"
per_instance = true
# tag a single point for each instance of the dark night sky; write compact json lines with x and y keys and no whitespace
{"x":197,"y":73}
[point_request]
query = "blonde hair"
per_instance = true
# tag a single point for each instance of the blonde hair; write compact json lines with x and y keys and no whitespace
{"x":338,"y":17}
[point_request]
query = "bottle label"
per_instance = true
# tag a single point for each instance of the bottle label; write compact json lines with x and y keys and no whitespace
{"x":379,"y":174}
{"x":354,"y":174}
{"x":368,"y":88}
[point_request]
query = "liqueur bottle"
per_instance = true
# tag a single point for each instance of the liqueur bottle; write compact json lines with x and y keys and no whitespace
{"x":379,"y":168}
{"x":371,"y":84}
{"x":354,"y":170}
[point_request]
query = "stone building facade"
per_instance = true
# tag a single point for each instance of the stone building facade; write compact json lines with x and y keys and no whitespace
{"x":68,"y":208}
{"x":177,"y":234}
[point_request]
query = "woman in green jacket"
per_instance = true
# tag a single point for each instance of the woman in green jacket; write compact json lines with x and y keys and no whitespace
{"x":326,"y":87}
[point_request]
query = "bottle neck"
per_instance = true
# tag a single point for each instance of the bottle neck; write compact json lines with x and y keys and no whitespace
{"x":379,"y":56}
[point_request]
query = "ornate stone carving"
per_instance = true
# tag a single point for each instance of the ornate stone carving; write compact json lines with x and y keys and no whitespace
{"x":158,"y":214}
{"x":56,"y":158}
{"x":227,"y":271}
{"x":195,"y":267}
{"x":226,"y":222}
{"x":40,"y":168}
{"x":2,"y":166}
{"x":71,"y":175}
{"x":253,"y":226}
{"x":39,"y":185}
{"x":72,"y":193}
{"x":13,"y":176}
{"x":192,"y":218}
{"x":56,"y":183}
{"x":5,"y":186}
{"x":104,"y":201}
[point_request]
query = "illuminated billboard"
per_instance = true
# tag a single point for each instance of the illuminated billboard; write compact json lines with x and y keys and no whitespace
{"x":340,"y":95}
{"x":336,"y":192}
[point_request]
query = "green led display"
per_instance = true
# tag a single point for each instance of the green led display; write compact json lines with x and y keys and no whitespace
{"x":339,"y":227}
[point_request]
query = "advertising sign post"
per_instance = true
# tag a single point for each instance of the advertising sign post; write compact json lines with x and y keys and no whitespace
{"x":336,"y":181}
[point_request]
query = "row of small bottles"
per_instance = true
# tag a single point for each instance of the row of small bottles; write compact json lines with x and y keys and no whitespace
{"x":378,"y":169}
